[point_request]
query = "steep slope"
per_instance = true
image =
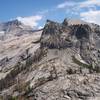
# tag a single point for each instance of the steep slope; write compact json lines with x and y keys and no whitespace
{"x":62,"y":62}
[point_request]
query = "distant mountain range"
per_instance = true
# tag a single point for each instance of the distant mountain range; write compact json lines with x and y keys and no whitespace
{"x":11,"y":28}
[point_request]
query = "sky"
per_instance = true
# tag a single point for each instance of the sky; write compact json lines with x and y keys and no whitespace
{"x":36,"y":12}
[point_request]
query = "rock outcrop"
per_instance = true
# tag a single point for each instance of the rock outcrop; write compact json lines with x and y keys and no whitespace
{"x":62,"y":63}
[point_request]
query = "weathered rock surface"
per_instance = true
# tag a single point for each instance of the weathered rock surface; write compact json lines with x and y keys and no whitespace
{"x":62,"y":62}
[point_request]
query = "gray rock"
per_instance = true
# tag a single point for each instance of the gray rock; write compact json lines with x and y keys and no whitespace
{"x":62,"y":63}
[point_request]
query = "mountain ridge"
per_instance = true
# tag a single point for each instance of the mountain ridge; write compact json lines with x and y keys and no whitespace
{"x":59,"y":62}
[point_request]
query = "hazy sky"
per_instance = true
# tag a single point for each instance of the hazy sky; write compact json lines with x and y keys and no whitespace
{"x":35,"y":12}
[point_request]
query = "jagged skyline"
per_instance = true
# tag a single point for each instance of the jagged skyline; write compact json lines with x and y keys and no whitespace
{"x":36,"y":12}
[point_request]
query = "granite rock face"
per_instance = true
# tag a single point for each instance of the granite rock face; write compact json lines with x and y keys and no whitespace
{"x":82,"y":38}
{"x":60,"y":62}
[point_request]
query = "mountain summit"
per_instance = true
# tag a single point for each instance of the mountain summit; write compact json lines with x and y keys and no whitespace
{"x":12,"y":28}
{"x":60,"y":62}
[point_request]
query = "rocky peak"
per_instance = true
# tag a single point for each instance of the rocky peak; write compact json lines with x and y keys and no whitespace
{"x":61,"y":35}
{"x":65,"y":22}
{"x":58,"y":36}
{"x":10,"y":25}
{"x":13,"y":22}
{"x":13,"y":27}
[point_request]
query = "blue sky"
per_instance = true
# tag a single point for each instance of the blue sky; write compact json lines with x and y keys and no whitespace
{"x":35,"y":12}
